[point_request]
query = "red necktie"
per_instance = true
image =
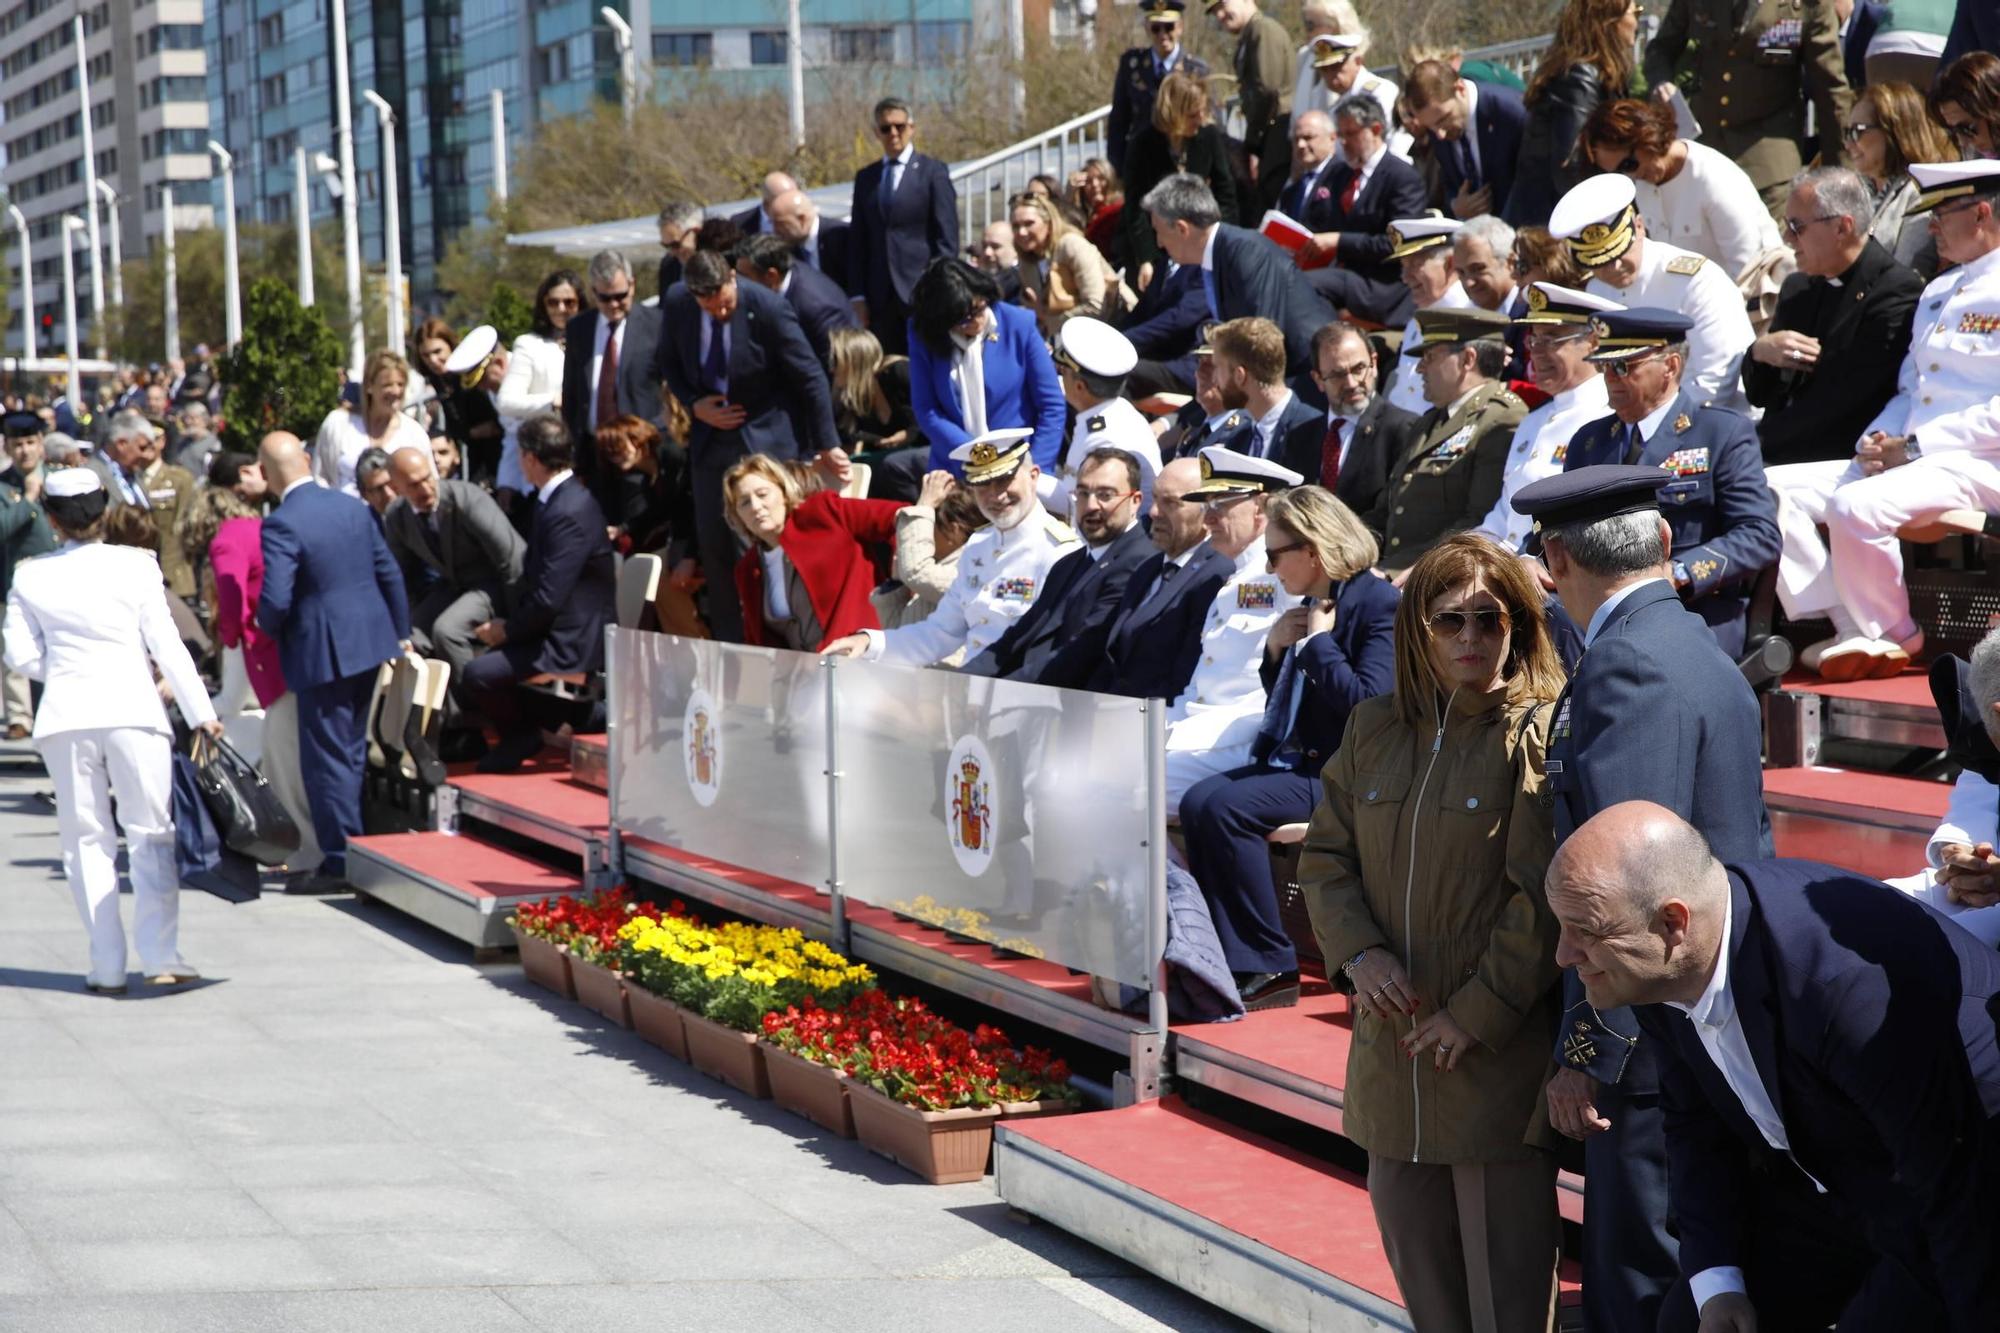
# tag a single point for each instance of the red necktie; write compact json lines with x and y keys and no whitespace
{"x":1329,"y":455}
{"x":1352,"y":192}
{"x":607,"y":379}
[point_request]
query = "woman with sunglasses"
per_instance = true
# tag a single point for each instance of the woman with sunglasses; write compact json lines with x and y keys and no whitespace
{"x":1889,"y":128}
{"x":1328,"y":652}
{"x":1690,"y":195}
{"x":1589,"y":62}
{"x":1966,"y":99}
{"x":1422,"y":870}
{"x":534,"y":370}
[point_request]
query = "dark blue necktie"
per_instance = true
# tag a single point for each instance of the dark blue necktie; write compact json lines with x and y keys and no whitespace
{"x":715,"y":366}
{"x":1208,"y":285}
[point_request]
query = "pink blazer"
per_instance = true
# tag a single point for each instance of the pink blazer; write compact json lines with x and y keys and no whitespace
{"x":237,"y":558}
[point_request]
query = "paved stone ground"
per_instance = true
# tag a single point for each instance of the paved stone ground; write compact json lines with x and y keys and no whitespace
{"x":351,"y":1127}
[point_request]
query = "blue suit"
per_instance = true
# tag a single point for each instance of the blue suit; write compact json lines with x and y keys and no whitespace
{"x":1295,"y":439}
{"x":1723,"y":515}
{"x":1154,"y":642}
{"x":821,"y":307}
{"x":1254,"y":277}
{"x":1870,"y":1020}
{"x":1655,"y":711}
{"x":891,"y":241}
{"x":1060,"y":639}
{"x":1164,"y":326}
{"x":333,"y":599}
{"x":1486,"y":154}
{"x":1022,"y":389}
{"x":1226,"y":818}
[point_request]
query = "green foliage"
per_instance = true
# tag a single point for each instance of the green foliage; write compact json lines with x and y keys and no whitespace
{"x":509,"y":314}
{"x":284,"y":375}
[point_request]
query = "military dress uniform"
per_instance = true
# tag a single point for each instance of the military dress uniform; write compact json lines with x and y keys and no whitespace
{"x":1265,"y":65}
{"x":1140,"y":74}
{"x":1754,"y":65}
{"x":1092,"y":347}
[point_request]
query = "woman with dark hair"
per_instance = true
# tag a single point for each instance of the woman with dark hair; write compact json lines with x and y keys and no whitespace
{"x":90,"y":621}
{"x":534,"y":368}
{"x":1422,"y":871}
{"x":1540,"y":257}
{"x":424,"y":396}
{"x":650,"y":500}
{"x":1889,"y":128}
{"x":977,"y":364}
{"x":1966,"y":98}
{"x":807,"y":576}
{"x":1589,"y":61}
{"x":1094,"y":193}
{"x":1182,"y":136}
{"x":1690,"y":195}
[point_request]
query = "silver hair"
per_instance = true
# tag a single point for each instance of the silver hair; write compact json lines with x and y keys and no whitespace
{"x":1840,"y":193}
{"x":608,"y":264}
{"x":1986,"y":682}
{"x":372,"y":460}
{"x":1613,"y":547}
{"x":130,"y":424}
{"x":1304,"y":116}
{"x":682,"y":213}
{"x":1363,"y":109}
{"x":1499,"y":237}
{"x":1183,"y":197}
{"x":60,"y":450}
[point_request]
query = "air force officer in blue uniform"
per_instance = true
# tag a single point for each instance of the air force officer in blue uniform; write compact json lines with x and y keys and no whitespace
{"x":1722,"y":513}
{"x":1830,"y":1077}
{"x":1656,"y":712}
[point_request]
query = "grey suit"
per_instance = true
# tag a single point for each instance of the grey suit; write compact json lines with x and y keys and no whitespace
{"x":456,"y":579}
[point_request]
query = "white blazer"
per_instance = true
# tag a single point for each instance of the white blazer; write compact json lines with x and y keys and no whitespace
{"x":84,"y":620}
{"x":534,"y":377}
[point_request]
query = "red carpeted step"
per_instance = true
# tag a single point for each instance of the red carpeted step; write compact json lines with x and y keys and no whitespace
{"x":1911,"y":689}
{"x":473,"y":868}
{"x":546,"y":795}
{"x":1879,"y":798}
{"x":590,"y":761}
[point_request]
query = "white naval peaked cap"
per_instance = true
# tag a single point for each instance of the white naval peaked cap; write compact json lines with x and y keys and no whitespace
{"x":1409,"y":235}
{"x":1225,"y":472}
{"x":1944,"y":181}
{"x":1553,"y":303}
{"x":472,"y":352}
{"x":1095,"y":348}
{"x":67,"y":483}
{"x":995,"y":454}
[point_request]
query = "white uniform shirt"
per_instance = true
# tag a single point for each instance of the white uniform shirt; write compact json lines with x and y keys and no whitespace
{"x":1675,"y":279}
{"x":999,"y":574}
{"x":1948,"y":394}
{"x":1224,"y":701}
{"x":1116,"y":424}
{"x":1406,"y":390}
{"x":1541,"y":442}
{"x":1711,"y":208}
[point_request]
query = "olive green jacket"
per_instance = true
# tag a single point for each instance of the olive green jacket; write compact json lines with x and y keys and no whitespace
{"x":1450,"y":477}
{"x":1266,"y":69}
{"x":1749,"y":79}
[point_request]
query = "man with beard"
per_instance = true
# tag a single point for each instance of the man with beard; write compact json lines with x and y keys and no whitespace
{"x":1362,"y":430}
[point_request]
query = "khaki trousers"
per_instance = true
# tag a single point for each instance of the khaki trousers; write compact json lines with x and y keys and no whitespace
{"x":281,"y":769}
{"x":1473,"y":1246}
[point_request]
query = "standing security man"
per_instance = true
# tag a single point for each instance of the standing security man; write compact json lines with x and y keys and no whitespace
{"x":24,"y":534}
{"x":1654,"y":712}
{"x":1141,"y":71}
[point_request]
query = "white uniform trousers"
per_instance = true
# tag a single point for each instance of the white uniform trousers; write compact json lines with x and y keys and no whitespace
{"x":280,"y":767}
{"x":17,"y":693}
{"x":88,"y":765}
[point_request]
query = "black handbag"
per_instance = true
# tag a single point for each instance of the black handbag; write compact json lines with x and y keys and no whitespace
{"x":200,"y":858}
{"x":247,"y":812}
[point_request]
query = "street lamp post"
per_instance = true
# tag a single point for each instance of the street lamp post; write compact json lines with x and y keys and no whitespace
{"x":117,"y":244}
{"x":20,"y":221}
{"x":71,"y":225}
{"x":302,"y":210}
{"x":90,"y":188}
{"x":628,"y":61}
{"x":357,"y":337}
{"x":500,"y":144}
{"x":392,"y":222}
{"x":171,"y":272}
{"x":795,"y":71}
{"x":232,"y":296}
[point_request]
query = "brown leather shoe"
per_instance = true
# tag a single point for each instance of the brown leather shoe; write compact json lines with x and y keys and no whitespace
{"x":16,"y":732}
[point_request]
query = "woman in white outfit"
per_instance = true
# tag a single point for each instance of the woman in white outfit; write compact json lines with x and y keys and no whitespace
{"x":535,"y":367}
{"x":381,"y":423}
{"x":85,"y":620}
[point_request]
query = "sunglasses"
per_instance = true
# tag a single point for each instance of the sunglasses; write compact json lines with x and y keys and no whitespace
{"x":1628,"y":164}
{"x":1853,"y":133}
{"x":1271,"y":553}
{"x":888,"y":127}
{"x":1451,"y":624}
{"x":1794,"y":226}
{"x":612,"y":298}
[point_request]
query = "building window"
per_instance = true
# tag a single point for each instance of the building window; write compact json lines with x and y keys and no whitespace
{"x":864,"y":46}
{"x":271,"y":30}
{"x":942,"y":41}
{"x":767,"y":48}
{"x":552,"y":64}
{"x":683,"y":49}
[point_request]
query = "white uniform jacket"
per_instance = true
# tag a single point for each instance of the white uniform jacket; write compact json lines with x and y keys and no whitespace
{"x":1541,"y":443}
{"x":1223,"y":704}
{"x":1948,"y":394}
{"x":999,"y":574}
{"x":1115,"y":425}
{"x":1671,"y":278}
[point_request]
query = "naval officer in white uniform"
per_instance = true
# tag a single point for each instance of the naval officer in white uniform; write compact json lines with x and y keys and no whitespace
{"x":90,"y":621}
{"x":1094,"y":360}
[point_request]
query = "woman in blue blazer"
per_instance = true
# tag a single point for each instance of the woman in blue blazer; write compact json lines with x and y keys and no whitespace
{"x":953,"y":306}
{"x":1322,"y":658}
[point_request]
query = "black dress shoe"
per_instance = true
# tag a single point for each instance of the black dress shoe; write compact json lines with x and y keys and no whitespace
{"x":511,"y":753}
{"x":1269,"y":990}
{"x":317,"y":885}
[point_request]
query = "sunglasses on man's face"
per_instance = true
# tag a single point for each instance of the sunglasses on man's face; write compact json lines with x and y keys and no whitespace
{"x":889,"y":127}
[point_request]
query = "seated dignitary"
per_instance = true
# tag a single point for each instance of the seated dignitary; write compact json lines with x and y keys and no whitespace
{"x":1212,"y":724}
{"x":1932,"y":448}
{"x":978,"y":365}
{"x":1000,"y":570}
{"x":1249,"y":368}
{"x":1164,"y":327}
{"x":1326,"y":653}
{"x":815,"y":298}
{"x":1841,"y":329}
{"x":1601,"y":223}
{"x":1205,"y":419}
{"x":1831,"y":1080}
{"x":565,"y":598}
{"x":1312,"y":158}
{"x":1723,"y":515}
{"x":1449,"y":476}
{"x":1154,"y":639}
{"x":1093,"y":359}
{"x":1350,"y":214}
{"x":1422,"y":246}
{"x":1362,"y":429}
{"x":1060,"y":641}
{"x":1559,"y":342}
{"x":458,"y":554}
{"x":810,"y":565}
{"x":372,"y":481}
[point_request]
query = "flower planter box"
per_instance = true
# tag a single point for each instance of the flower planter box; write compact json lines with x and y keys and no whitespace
{"x":547,"y":965}
{"x":724,"y":1053}
{"x":658,"y":1020}
{"x":1033,"y":1110}
{"x":944,"y":1147}
{"x":817,"y":1092}
{"x":602,"y":990}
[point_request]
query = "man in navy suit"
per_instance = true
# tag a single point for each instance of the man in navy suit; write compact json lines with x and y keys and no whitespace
{"x":1364,"y":191}
{"x":333,"y":599}
{"x":817,"y":300}
{"x":608,"y":355}
{"x":1164,"y":327}
{"x":1362,"y":430}
{"x":1060,"y":639}
{"x":1832,"y":1079}
{"x":815,"y":242}
{"x":566,"y":596}
{"x":1722,"y":512}
{"x":735,"y":354}
{"x":1249,"y":368}
{"x":1154,"y":637}
{"x":1656,"y":712}
{"x":1476,"y":131}
{"x":905,"y":214}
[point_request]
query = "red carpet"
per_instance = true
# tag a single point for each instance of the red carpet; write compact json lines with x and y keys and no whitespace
{"x":479,"y":869}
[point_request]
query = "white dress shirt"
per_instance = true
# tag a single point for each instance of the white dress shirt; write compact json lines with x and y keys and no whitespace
{"x":1611,"y":604}
{"x":894,"y":167}
{"x":1676,"y":279}
{"x":1406,"y":389}
{"x":968,"y":376}
{"x":548,"y":488}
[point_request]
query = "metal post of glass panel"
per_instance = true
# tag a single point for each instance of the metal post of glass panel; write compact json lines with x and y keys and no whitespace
{"x":838,"y":905}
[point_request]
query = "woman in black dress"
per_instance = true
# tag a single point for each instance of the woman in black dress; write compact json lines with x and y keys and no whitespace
{"x":871,"y":411}
{"x":1182,"y":137}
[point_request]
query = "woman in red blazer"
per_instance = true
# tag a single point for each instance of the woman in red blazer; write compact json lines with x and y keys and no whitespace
{"x":806,"y":578}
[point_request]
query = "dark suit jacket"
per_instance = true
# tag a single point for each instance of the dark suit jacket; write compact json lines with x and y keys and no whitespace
{"x":1383,"y":432}
{"x":1552,"y":160}
{"x":334,"y":611}
{"x":1861,"y":26}
{"x":1132,"y":99}
{"x":821,"y":307}
{"x":1155,"y":643}
{"x":750,"y":221}
{"x":638,"y":385}
{"x":1060,"y":640}
{"x":887,"y":251}
{"x":1354,"y":660}
{"x":1870,"y":1020}
{"x":568,"y":590}
{"x":477,"y":546}
{"x":1863,"y":327}
{"x":832,"y":255}
{"x":1295,"y":442}
{"x":670,"y":273}
{"x":773,"y":374}
{"x":1976,"y":27}
{"x":1150,"y":160}
{"x":1499,"y":124}
{"x":1166,"y":321}
{"x":1394,"y":190}
{"x":1255,"y":277}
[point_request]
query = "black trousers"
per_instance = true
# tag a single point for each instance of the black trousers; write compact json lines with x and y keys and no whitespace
{"x":1363,"y":297}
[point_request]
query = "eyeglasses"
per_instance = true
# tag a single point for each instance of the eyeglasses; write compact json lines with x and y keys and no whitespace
{"x":1946,"y":210}
{"x":1619,"y":370}
{"x":1100,"y":495}
{"x":612,"y":298}
{"x":1538,"y":338}
{"x":1271,"y":553}
{"x":1794,"y":226}
{"x":563,"y":302}
{"x":1359,"y":370}
{"x":1628,"y":164}
{"x":1451,"y":624}
{"x":1853,"y":133}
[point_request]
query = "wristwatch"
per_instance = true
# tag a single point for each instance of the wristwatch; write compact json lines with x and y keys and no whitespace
{"x":1910,"y":449}
{"x":1347,"y":968}
{"x":1681,"y":573}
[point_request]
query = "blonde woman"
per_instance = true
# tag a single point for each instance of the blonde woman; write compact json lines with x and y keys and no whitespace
{"x":1422,"y":870}
{"x":381,"y":423}
{"x":806,"y":578}
{"x":1062,"y":273}
{"x":871,"y":394}
{"x":1182,"y":137}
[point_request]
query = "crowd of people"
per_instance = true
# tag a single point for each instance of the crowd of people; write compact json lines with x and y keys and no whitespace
{"x":1424,"y":445}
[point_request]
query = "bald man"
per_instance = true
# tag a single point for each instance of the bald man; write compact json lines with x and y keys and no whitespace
{"x":1830,"y":1074}
{"x":754,"y":220}
{"x":457,"y":551}
{"x":816,"y":243}
{"x":333,"y":599}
